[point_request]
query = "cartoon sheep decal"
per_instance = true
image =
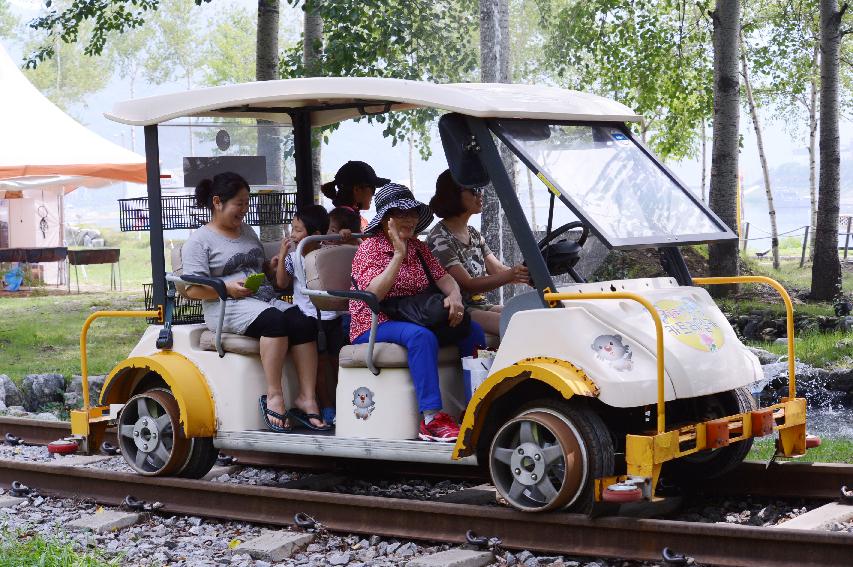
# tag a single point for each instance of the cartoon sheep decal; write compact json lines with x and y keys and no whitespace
{"x":610,"y":349}
{"x":362,"y":399}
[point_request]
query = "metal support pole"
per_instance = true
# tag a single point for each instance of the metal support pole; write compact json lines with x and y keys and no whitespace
{"x":302,"y":155}
{"x":491,"y":160}
{"x":155,"y":216}
{"x":745,"y":236}
{"x":805,"y":244}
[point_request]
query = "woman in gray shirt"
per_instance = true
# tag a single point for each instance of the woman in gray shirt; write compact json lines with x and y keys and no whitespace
{"x":229,"y":249}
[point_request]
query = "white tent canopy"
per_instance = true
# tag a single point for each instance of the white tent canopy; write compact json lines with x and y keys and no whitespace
{"x":44,"y":148}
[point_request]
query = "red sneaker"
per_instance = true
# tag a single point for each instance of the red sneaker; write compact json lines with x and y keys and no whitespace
{"x":442,"y":428}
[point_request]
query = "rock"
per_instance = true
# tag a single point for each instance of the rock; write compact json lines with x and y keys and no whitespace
{"x":846,"y":323}
{"x":339,"y":558}
{"x":392,"y":547}
{"x":46,"y":416}
{"x":72,"y":400}
{"x":42,"y":389}
{"x":407,"y":550}
{"x":17,"y":411}
{"x":76,"y":387}
{"x":10,"y":394}
{"x":764,"y":356}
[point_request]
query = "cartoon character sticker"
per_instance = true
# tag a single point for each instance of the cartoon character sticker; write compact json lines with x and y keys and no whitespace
{"x":610,"y":349}
{"x":362,"y":399}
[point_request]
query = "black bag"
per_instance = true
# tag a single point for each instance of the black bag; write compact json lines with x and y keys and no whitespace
{"x":427,"y":310}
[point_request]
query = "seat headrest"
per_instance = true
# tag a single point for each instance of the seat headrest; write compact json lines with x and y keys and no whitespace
{"x":330,"y":268}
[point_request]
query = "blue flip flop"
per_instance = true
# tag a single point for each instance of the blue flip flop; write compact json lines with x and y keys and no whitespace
{"x":267,"y":413}
{"x":304,"y":419}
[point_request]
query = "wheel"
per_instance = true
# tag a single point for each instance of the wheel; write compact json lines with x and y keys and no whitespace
{"x":712,"y":463}
{"x":150,"y":435}
{"x":549,"y":455}
{"x":201,"y":459}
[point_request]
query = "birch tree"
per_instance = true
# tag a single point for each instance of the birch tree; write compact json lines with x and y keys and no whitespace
{"x":495,"y":68}
{"x":762,"y":156}
{"x":312,"y":59}
{"x":826,"y":270}
{"x":723,"y":257}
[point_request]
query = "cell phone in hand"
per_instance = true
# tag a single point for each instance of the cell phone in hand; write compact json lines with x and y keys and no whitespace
{"x":254,"y":282}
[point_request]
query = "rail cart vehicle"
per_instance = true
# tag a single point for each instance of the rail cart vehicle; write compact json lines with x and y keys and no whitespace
{"x":596,"y":387}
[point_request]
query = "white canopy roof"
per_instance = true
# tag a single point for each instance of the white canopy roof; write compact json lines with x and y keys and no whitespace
{"x":485,"y":100}
{"x":42,"y":147}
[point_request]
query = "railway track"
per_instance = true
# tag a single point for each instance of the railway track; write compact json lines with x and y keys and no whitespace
{"x":618,"y":537}
{"x":788,"y":479}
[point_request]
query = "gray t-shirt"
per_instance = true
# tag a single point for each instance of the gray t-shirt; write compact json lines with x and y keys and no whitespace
{"x":210,"y":254}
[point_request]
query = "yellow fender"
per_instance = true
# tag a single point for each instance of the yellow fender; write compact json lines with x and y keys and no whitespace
{"x":564,"y":377}
{"x":188,"y":385}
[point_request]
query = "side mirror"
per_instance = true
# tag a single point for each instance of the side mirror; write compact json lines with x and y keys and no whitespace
{"x":461,"y":151}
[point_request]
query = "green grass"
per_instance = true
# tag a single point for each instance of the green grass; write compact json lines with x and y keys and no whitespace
{"x":20,"y":550}
{"x":777,"y":309}
{"x":830,"y":451}
{"x":824,"y":350}
{"x":135,"y":262}
{"x":42,"y":334}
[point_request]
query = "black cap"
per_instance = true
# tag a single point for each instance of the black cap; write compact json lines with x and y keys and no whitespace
{"x":358,"y":173}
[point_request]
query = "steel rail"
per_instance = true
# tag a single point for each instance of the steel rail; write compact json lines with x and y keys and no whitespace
{"x":718,"y":544}
{"x":783,"y":479}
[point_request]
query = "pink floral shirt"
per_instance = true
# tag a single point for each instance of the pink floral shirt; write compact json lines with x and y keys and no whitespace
{"x":371,"y":259}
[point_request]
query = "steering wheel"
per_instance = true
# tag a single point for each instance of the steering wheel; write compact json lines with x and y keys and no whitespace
{"x":545,"y":242}
{"x":562,"y":253}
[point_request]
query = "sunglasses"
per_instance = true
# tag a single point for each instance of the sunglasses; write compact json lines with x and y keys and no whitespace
{"x":404,"y":213}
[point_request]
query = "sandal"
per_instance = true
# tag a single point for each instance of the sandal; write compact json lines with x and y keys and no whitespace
{"x":304,"y":419}
{"x":267,"y":413}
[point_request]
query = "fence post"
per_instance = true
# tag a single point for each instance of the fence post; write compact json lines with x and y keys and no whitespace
{"x":745,"y":236}
{"x":805,"y":243}
{"x":847,"y":240}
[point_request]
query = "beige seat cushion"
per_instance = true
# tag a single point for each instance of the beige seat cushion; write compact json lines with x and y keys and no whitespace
{"x":238,"y":344}
{"x":330,"y":268}
{"x":389,"y":355}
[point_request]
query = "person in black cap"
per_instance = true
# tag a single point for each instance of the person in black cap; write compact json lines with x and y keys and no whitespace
{"x":353,"y":187}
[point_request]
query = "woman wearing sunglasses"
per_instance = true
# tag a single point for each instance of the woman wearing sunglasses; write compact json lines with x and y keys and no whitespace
{"x":464,"y":253}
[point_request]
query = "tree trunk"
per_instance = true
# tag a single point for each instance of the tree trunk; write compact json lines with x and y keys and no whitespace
{"x":495,"y":68}
{"x":411,"y":164}
{"x":813,"y":148}
{"x":826,"y":270}
{"x":723,"y":257}
{"x":771,"y":209}
{"x":490,"y":220}
{"x":704,"y":161}
{"x":509,"y":244}
{"x":312,"y":49}
{"x":531,"y":198}
{"x":266,"y":69}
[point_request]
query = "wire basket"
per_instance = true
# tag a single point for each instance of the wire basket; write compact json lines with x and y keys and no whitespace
{"x":181,"y":212}
{"x":187,"y":311}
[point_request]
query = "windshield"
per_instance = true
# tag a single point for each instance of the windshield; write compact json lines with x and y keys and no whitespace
{"x":610,"y":182}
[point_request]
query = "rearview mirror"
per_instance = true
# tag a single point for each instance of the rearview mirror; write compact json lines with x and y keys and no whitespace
{"x":461,"y":151}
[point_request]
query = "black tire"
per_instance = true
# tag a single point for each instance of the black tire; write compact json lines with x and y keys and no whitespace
{"x":202,"y":454}
{"x":596,"y":442}
{"x":202,"y":458}
{"x":714,"y":463}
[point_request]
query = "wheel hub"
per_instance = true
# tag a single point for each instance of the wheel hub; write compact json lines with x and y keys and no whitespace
{"x":528,"y":464}
{"x":146,"y":434}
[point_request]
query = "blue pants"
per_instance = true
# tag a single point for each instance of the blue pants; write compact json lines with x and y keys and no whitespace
{"x":422,"y":346}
